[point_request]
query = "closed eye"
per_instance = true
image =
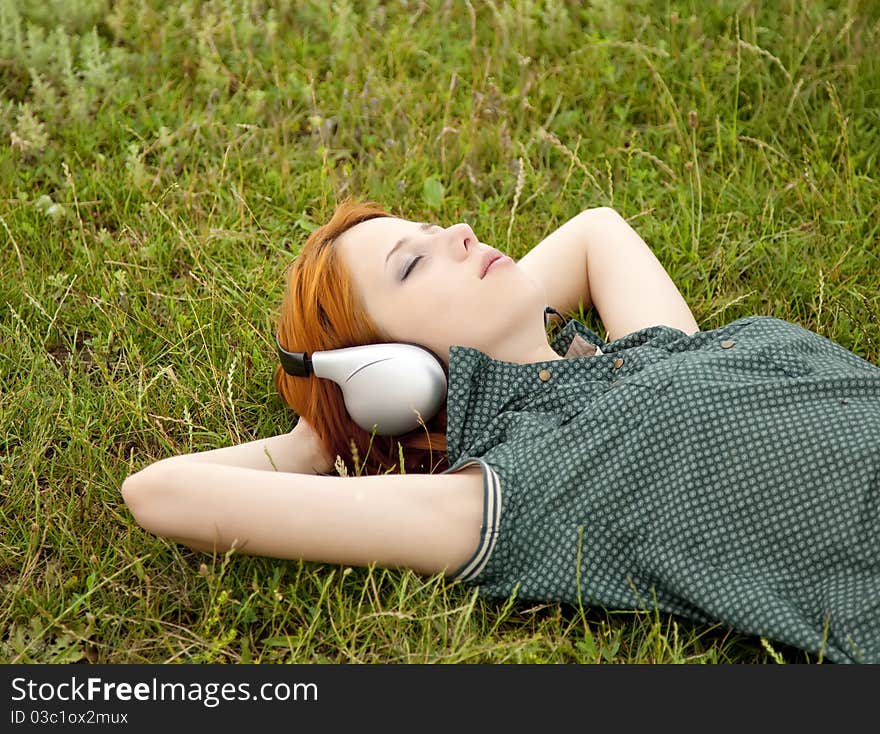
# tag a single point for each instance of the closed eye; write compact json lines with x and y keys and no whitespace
{"x":411,"y":267}
{"x":412,"y":264}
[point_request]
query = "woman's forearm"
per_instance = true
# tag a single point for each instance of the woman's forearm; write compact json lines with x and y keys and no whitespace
{"x":297,"y":451}
{"x":275,"y":453}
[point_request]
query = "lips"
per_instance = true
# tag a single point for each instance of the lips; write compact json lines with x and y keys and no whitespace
{"x":488,"y":259}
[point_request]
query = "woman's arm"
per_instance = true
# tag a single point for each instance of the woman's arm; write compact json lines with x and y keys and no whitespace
{"x":429,"y":523}
{"x":598,"y":259}
{"x":298,"y":451}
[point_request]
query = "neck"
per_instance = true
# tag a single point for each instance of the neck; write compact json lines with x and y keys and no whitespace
{"x":525,"y":347}
{"x":541,"y":353}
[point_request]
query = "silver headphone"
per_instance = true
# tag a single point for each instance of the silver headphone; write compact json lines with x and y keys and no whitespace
{"x":394,"y":387}
{"x":389,"y":385}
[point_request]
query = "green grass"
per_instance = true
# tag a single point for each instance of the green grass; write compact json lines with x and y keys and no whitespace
{"x":160,"y":164}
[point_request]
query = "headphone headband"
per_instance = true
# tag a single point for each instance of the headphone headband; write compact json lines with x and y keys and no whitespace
{"x":548,"y":311}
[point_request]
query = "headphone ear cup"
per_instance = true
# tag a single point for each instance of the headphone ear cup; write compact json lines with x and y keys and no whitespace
{"x":405,"y":385}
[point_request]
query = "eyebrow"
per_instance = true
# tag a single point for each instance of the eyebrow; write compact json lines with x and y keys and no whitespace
{"x":424,"y":227}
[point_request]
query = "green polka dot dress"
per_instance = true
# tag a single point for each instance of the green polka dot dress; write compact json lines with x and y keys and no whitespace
{"x":729,"y":476}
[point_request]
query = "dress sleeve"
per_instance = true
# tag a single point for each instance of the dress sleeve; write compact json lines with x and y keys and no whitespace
{"x":489,"y":525}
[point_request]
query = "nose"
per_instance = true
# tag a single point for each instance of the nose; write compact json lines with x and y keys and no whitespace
{"x":461,"y":235}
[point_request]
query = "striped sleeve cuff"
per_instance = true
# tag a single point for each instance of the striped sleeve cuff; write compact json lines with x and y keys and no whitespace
{"x":489,"y":528}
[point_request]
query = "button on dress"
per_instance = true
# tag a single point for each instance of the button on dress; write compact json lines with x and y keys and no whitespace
{"x":729,"y":476}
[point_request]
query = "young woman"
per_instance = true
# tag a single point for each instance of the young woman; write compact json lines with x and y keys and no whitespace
{"x":728,"y":475}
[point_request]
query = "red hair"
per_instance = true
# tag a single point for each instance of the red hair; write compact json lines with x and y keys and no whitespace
{"x":320,"y":310}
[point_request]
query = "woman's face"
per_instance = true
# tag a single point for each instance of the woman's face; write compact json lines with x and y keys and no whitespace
{"x":421,"y":283}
